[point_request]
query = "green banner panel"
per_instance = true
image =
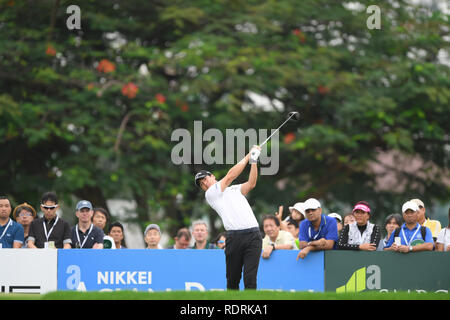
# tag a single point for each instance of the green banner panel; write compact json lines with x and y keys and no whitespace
{"x":354,"y":271}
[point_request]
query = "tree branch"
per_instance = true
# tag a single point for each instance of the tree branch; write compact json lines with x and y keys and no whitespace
{"x":123,"y":124}
{"x":52,"y":20}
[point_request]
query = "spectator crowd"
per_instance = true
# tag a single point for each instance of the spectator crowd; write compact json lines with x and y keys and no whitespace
{"x":307,"y":228}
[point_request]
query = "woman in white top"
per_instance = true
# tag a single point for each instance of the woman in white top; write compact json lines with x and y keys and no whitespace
{"x":443,"y":239}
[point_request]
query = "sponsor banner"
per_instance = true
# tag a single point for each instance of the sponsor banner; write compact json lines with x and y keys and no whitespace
{"x":354,"y":271}
{"x":283,"y":272}
{"x":167,"y":270}
{"x":28,"y":271}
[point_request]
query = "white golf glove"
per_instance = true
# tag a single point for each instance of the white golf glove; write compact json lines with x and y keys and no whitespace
{"x":254,"y":154}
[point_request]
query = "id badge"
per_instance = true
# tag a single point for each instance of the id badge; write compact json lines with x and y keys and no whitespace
{"x":49,"y":245}
{"x":398,"y":241}
{"x":1,"y":245}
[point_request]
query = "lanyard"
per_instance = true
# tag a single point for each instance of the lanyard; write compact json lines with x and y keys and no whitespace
{"x":47,"y":235}
{"x":318,"y":232}
{"x":85,"y":238}
{"x":7,"y":226}
{"x":412,"y":237}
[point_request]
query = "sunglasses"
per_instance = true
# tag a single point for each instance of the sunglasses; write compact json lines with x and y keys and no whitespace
{"x":49,"y":207}
{"x":220,"y":241}
{"x":25,"y":214}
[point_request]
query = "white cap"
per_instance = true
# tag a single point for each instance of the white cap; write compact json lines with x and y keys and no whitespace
{"x":335,"y":215}
{"x":418,"y":202}
{"x":299,"y":207}
{"x":311,"y":203}
{"x":410,"y":205}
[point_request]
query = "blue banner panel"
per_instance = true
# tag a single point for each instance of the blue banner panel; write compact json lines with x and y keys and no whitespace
{"x":283,"y":272}
{"x":165,"y":270}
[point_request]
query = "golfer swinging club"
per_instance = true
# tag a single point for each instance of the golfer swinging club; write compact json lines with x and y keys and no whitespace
{"x":243,"y":238}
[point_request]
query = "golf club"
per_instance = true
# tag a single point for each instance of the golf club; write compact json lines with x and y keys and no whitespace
{"x":293,"y":114}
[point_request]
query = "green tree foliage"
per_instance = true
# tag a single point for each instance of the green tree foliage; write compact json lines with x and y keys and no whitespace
{"x":90,"y":113}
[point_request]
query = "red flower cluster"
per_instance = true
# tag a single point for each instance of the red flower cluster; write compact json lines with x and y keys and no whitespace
{"x":185,"y":107}
{"x":50,"y":50}
{"x":160,"y":98}
{"x":182,"y":105}
{"x":300,"y":35}
{"x":106,"y":66}
{"x":130,"y":90}
{"x":289,"y":137}
{"x":323,"y":90}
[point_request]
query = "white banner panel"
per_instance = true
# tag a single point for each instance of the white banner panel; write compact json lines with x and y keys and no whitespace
{"x":28,"y":270}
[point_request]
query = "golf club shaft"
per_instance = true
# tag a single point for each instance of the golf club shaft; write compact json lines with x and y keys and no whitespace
{"x":264,"y":142}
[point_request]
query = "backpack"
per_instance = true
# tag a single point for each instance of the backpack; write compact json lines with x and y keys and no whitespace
{"x":423,"y":231}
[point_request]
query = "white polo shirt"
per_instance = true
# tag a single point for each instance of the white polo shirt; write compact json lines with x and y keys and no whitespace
{"x":232,"y":207}
{"x":284,"y":237}
{"x":444,"y":237}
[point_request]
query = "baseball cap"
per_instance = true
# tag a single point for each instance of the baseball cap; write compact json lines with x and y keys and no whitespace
{"x":152,"y":226}
{"x":84,"y":204}
{"x":410,"y":205}
{"x":299,"y":207}
{"x":418,"y":202}
{"x":336,"y":216}
{"x":311,"y":203}
{"x":201,"y":175}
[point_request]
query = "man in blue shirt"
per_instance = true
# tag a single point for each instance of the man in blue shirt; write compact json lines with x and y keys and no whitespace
{"x":318,"y":232}
{"x":11,"y":232}
{"x":410,"y":234}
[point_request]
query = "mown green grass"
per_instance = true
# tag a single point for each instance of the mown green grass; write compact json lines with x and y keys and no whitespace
{"x":225,"y":295}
